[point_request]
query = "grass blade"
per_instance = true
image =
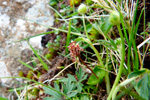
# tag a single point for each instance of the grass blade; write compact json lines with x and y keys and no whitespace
{"x":40,"y":59}
{"x":68,"y":37}
{"x":25,"y":64}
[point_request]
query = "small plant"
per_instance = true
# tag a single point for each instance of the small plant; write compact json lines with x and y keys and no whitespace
{"x":108,"y":48}
{"x":70,"y":86}
{"x":53,"y":47}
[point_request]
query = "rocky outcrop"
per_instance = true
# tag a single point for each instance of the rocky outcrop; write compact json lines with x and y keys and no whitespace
{"x":14,"y":26}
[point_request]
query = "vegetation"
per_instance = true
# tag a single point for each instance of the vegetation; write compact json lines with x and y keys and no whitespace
{"x":95,"y":51}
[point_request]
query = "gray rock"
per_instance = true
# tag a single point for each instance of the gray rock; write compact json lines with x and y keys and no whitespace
{"x":13,"y":27}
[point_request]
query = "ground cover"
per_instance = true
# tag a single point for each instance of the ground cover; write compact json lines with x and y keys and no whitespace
{"x":96,"y":50}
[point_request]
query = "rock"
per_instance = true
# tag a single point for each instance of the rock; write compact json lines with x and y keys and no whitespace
{"x":4,"y":72}
{"x":13,"y":27}
{"x":4,"y":21}
{"x":36,"y":42}
{"x":40,"y":13}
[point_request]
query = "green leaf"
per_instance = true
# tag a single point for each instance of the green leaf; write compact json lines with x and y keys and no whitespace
{"x":56,"y":86}
{"x":79,"y":87}
{"x":106,"y":26}
{"x":72,"y":94}
{"x":136,"y":73}
{"x":100,"y":73}
{"x":63,"y":80}
{"x":71,"y":78}
{"x":89,"y":2}
{"x":52,"y":92}
{"x":68,"y":38}
{"x":142,"y":86}
{"x":80,"y":75}
{"x":84,"y":97}
{"x":45,"y":66}
{"x":1,"y":98}
{"x":144,"y":33}
{"x":25,"y":64}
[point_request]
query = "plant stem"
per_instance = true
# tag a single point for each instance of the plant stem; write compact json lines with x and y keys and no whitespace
{"x":87,"y":66}
{"x":85,"y":27}
{"x":121,"y":85}
{"x":107,"y":75}
{"x":121,"y":64}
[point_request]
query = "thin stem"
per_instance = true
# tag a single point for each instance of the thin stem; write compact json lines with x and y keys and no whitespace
{"x":127,"y":81}
{"x":57,"y":29}
{"x":85,"y":27}
{"x":144,"y":31}
{"x":107,"y":75}
{"x":121,"y":64}
{"x":87,"y":66}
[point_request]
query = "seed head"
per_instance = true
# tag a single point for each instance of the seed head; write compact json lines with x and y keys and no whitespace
{"x":74,"y":49}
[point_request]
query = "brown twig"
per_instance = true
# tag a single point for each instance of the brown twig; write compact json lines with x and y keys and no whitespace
{"x":87,"y":66}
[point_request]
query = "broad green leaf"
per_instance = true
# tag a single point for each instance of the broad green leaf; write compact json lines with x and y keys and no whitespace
{"x":106,"y":26}
{"x":1,"y":98}
{"x":80,"y":75}
{"x":79,"y":86}
{"x":63,"y":80}
{"x":72,"y":94}
{"x":72,"y":78}
{"x":56,"y":86}
{"x":136,"y":73}
{"x":52,"y":92}
{"x":100,"y":73}
{"x":142,"y":86}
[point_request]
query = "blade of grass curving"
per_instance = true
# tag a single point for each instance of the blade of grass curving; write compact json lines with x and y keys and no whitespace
{"x":134,"y":43}
{"x":68,"y":37}
{"x":25,"y":64}
{"x":107,"y":44}
{"x":127,"y":81}
{"x":144,"y":27}
{"x":67,"y":56}
{"x":135,"y":13}
{"x":73,"y":5}
{"x":124,"y":30}
{"x":121,"y":64}
{"x":40,"y":59}
{"x":40,"y":84}
{"x":131,"y":36}
{"x":57,"y":29}
{"x":129,"y":92}
{"x":35,"y":36}
{"x":95,"y":50}
{"x":17,"y":89}
{"x":73,"y":14}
